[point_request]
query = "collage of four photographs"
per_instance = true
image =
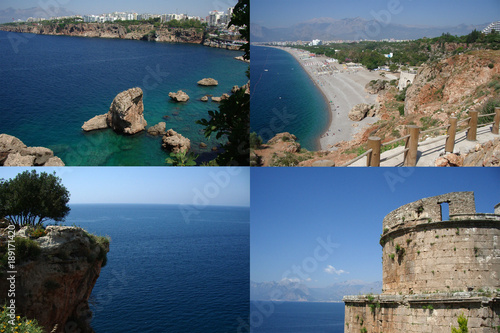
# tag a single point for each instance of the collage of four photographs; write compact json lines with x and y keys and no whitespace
{"x":250,"y":166}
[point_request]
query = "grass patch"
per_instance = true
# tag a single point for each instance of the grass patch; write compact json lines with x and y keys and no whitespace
{"x":401,"y":110}
{"x":489,"y":107}
{"x":103,"y":243}
{"x":26,"y":249}
{"x":428,"y":122}
{"x":291,"y":159}
{"x":357,"y":150}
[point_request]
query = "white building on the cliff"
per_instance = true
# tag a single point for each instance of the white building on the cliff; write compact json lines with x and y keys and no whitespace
{"x":492,"y":26}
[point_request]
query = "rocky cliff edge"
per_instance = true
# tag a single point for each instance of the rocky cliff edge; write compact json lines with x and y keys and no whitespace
{"x":55,"y":275}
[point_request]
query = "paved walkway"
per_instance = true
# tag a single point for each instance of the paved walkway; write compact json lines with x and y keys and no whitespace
{"x":428,"y":154}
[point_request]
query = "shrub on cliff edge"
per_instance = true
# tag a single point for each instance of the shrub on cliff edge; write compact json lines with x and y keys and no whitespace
{"x":24,"y":324}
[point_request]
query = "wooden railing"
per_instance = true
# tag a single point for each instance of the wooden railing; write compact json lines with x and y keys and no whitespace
{"x":413,"y":134}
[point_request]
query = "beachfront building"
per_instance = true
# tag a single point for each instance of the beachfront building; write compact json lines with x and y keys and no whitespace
{"x":316,"y":42}
{"x":492,"y":26}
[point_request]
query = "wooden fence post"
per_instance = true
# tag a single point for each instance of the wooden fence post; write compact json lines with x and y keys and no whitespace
{"x":496,"y":121}
{"x":412,"y":145}
{"x":450,"y":140}
{"x":374,"y":143}
{"x":471,"y":133}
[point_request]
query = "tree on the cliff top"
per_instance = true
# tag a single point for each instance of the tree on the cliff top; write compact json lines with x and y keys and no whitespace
{"x":233,"y":117}
{"x":31,"y":199}
{"x":241,"y":18}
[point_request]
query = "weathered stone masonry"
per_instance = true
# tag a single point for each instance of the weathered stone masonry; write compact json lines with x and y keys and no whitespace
{"x":434,"y":269}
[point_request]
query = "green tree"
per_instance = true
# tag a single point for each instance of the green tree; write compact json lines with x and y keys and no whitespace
{"x":233,"y":118}
{"x":182,"y":158}
{"x":393,"y":67}
{"x":31,"y":199}
{"x":473,"y":36}
{"x":255,"y":140}
{"x":462,"y":325}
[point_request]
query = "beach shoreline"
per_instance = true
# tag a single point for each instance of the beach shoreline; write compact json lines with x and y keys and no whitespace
{"x":342,"y":88}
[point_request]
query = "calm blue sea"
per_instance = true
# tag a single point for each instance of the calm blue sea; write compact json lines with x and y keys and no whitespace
{"x":296,"y":317}
{"x":166,"y":275}
{"x":51,"y":85}
{"x":285,"y":99}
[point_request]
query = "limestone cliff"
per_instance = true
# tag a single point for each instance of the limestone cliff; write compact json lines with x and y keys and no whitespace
{"x":108,"y":30}
{"x":55,"y":276}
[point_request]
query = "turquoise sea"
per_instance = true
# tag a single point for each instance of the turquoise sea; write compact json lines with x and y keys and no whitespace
{"x":296,"y":317}
{"x":166,"y":274}
{"x":285,"y":99}
{"x":51,"y":85}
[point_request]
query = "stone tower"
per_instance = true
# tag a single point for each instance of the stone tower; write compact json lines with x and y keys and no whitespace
{"x":435,"y":268}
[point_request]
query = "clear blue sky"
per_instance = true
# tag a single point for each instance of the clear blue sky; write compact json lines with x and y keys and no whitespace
{"x":292,"y":207}
{"x":191,"y":7}
{"x":164,"y":185}
{"x":284,"y":13}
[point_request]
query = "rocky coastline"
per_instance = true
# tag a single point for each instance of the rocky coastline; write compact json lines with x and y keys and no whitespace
{"x":13,"y":152}
{"x":134,"y":32}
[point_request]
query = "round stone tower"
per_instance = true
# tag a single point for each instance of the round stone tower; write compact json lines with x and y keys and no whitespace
{"x":427,"y":250}
{"x":441,"y":260}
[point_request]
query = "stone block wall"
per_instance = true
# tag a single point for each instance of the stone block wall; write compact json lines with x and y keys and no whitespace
{"x":422,"y":313}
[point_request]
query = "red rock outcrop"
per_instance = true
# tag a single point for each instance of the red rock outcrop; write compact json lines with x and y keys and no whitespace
{"x":54,"y":285}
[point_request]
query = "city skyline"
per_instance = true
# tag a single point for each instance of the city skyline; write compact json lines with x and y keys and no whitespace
{"x":318,"y":228}
{"x":94,"y":7}
{"x":408,"y":12}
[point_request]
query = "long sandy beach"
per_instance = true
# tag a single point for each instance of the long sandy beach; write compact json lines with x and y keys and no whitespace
{"x":343,"y":88}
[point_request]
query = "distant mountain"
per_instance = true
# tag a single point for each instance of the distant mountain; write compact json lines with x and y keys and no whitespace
{"x":10,"y":14}
{"x":352,"y":29}
{"x":286,"y":290}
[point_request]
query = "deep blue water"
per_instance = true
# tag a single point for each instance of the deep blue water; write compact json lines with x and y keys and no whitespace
{"x":285,"y":99}
{"x":166,"y":275}
{"x":51,"y":85}
{"x":296,"y":317}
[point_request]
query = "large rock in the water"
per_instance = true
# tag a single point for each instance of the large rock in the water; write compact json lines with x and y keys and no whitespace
{"x":158,"y":129}
{"x":126,"y":112}
{"x":54,"y":161}
{"x":179,"y":96}
{"x":9,"y":143}
{"x":358,"y":112}
{"x":98,"y":122}
{"x":175,"y":142}
{"x":41,"y":154}
{"x":208,"y":82}
{"x":16,"y":159}
{"x":13,"y":152}
{"x":219,"y":99}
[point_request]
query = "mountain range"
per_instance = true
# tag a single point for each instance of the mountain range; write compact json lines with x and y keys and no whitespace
{"x":11,"y":14}
{"x":287,"y":290}
{"x":353,"y":29}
